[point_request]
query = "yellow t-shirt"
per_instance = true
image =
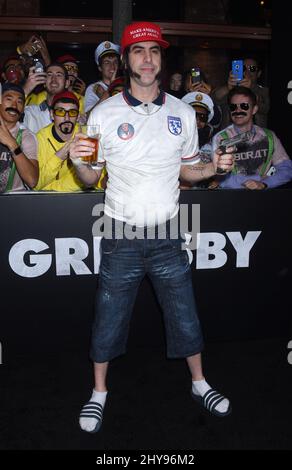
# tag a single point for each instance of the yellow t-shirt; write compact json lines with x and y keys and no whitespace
{"x":56,"y":174}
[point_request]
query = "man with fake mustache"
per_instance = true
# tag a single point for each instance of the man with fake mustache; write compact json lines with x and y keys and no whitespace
{"x":261,"y":161}
{"x":56,"y":170}
{"x":18,"y":147}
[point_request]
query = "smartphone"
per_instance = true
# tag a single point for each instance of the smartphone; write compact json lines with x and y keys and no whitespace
{"x":38,"y":65}
{"x":195,"y":75}
{"x":237,"y":69}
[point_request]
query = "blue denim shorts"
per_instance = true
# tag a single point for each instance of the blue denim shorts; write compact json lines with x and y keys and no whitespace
{"x":124,"y":263}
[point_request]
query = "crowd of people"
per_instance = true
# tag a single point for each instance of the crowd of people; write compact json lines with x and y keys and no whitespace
{"x":35,"y":137}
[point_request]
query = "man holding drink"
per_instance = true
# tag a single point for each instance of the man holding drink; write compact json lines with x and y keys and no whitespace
{"x":93,"y":136}
{"x":148,"y":138}
{"x":56,"y":170}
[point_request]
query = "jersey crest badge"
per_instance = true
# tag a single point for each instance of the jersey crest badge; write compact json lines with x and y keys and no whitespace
{"x":174,"y":125}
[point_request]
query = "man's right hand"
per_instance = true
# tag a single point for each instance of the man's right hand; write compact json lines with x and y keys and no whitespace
{"x":98,"y":90}
{"x":30,"y":47}
{"x":201,"y":87}
{"x":232,"y":81}
{"x":80,"y":147}
{"x":33,"y":80}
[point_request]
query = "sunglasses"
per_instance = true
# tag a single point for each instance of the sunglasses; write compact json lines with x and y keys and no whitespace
{"x":202,"y":116}
{"x":251,"y":68}
{"x":62,"y":112}
{"x":72,"y":68}
{"x":243,"y":106}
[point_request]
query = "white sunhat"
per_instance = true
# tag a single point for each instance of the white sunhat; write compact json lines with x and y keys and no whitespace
{"x":104,"y":48}
{"x":196,"y":98}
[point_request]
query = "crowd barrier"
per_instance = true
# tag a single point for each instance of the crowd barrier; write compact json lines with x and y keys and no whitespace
{"x":49,"y":263}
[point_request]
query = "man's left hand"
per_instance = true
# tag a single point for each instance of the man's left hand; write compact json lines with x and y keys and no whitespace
{"x":252,"y":184}
{"x":79,"y":86}
{"x":224,"y":161}
{"x":5,"y":137}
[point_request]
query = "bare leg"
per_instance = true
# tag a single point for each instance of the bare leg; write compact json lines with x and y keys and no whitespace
{"x":100,"y":373}
{"x":195,"y":366}
{"x":91,"y":414}
{"x":215,"y":402}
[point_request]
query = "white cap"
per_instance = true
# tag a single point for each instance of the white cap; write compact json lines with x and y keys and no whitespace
{"x":196,"y":98}
{"x":106,"y":47}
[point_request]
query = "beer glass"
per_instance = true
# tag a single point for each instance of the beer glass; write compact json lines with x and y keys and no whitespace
{"x":93,"y":133}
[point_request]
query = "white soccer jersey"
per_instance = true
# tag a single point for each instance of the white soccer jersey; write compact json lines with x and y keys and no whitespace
{"x":143,"y":147}
{"x":91,"y":98}
{"x":35,"y":118}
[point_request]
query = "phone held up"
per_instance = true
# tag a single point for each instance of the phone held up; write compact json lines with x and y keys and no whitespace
{"x":38,"y":65}
{"x":237,"y":69}
{"x":195,"y":75}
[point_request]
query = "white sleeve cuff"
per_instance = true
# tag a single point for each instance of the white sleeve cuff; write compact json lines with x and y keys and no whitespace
{"x":77,"y":161}
{"x":191,"y":161}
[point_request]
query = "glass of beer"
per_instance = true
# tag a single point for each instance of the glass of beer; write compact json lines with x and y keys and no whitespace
{"x":93,"y":133}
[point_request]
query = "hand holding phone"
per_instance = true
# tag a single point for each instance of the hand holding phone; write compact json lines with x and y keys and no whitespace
{"x":79,"y":86}
{"x":237,"y":69}
{"x":38,"y":66}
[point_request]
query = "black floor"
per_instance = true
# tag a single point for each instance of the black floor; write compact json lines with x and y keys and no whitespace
{"x":149,"y":405}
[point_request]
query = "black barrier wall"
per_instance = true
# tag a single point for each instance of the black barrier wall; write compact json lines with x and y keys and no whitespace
{"x":281,"y":75}
{"x":241,"y":270}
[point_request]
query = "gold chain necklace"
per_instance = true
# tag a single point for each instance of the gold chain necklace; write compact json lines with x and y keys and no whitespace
{"x":146,"y":114}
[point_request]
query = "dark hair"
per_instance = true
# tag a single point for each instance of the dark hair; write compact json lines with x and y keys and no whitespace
{"x":255,"y":58}
{"x":61,"y":66}
{"x":125,"y":66}
{"x":65,"y":100}
{"x":242,"y":90}
{"x":109,"y":54}
{"x":9,"y":59}
{"x":13,"y":87}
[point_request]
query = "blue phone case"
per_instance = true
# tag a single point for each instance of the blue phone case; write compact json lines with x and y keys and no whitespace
{"x":237,"y":69}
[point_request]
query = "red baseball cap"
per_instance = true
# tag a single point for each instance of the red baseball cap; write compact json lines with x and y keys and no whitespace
{"x":66,"y":58}
{"x":119,"y":82}
{"x":65,"y":96}
{"x":142,"y":31}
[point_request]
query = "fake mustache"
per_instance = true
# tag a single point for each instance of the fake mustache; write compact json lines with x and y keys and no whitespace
{"x":241,"y":113}
{"x":137,"y":75}
{"x":13,"y":110}
{"x":66,"y":127}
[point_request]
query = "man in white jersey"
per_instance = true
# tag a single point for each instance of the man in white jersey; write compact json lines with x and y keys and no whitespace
{"x":148,"y":139}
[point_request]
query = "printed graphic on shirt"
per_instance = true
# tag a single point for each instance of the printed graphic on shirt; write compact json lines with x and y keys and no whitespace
{"x":125,"y":131}
{"x":174,"y":125}
{"x":5,"y":166}
{"x":250,"y":156}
